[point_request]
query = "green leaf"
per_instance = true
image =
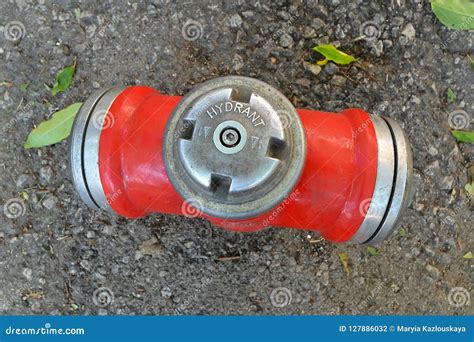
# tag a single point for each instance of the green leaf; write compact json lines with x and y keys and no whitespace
{"x":331,"y":53}
{"x":468,"y":255}
{"x":471,"y":61}
{"x":64,"y":79}
{"x":344,"y":258}
{"x":55,"y":129}
{"x":469,"y":187}
{"x":464,"y":136}
{"x":24,"y":87}
{"x":373,"y":251}
{"x":455,"y":14}
{"x":402,"y":232}
{"x":451,"y":95}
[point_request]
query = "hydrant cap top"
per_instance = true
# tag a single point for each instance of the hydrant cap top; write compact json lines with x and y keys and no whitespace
{"x":236,"y":146}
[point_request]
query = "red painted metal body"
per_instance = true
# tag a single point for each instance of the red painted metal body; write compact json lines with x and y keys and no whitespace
{"x":340,"y":169}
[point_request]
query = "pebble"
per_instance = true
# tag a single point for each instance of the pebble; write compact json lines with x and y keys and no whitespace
{"x":46,"y":172}
{"x":28,"y":273}
{"x":309,"y":32}
{"x":446,"y":183}
{"x":409,"y":31}
{"x":151,"y":247}
{"x":317,"y":23}
{"x":166,"y":292}
{"x":235,"y":21}
{"x":50,"y":202}
{"x":95,"y":85}
{"x":338,"y":80}
{"x":415,"y":251}
{"x":432,"y":169}
{"x":22,"y":181}
{"x":238,"y":62}
{"x":313,"y":68}
{"x":305,"y":82}
{"x":433,"y":271}
{"x":429,"y":251}
{"x":433,"y":151}
{"x":286,"y":40}
{"x":331,"y":69}
{"x":378,"y":48}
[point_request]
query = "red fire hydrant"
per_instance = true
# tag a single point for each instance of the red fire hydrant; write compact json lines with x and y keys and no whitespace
{"x":235,"y":151}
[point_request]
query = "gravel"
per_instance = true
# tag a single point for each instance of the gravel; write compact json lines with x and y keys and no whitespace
{"x":63,"y":252}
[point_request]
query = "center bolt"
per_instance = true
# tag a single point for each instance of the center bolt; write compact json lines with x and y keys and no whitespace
{"x":230,"y":137}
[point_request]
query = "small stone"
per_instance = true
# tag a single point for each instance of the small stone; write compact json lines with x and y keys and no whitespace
{"x":166,"y":292}
{"x":305,"y":82}
{"x":50,"y":202}
{"x":429,"y":251}
{"x":247,"y":14}
{"x":409,"y":31}
{"x":237,"y":62}
{"x":85,"y":265}
{"x":338,"y":80}
{"x":235,"y":21}
{"x":313,"y":68}
{"x":138,"y":255}
{"x":415,"y":251}
{"x":151,"y":247}
{"x":96,"y":45}
{"x":317,"y":23}
{"x":95,"y":85}
{"x":90,"y":234}
{"x":286,"y":40}
{"x":378,"y":48}
{"x":433,"y":271}
{"x":325,"y":278}
{"x":446,"y":183}
{"x":309,"y":32}
{"x":432,"y":169}
{"x":108,"y":230}
{"x":90,"y":30}
{"x":45,"y":173}
{"x":22,"y":181}
{"x":433,"y":151}
{"x":28,"y":274}
{"x":395,"y":288}
{"x":331,"y":69}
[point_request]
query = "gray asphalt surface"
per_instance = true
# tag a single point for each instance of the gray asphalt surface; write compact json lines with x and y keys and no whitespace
{"x":58,"y":255}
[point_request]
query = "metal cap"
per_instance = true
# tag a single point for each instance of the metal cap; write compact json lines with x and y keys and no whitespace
{"x":393,"y":185}
{"x":236,"y":145}
{"x":84,"y":147}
